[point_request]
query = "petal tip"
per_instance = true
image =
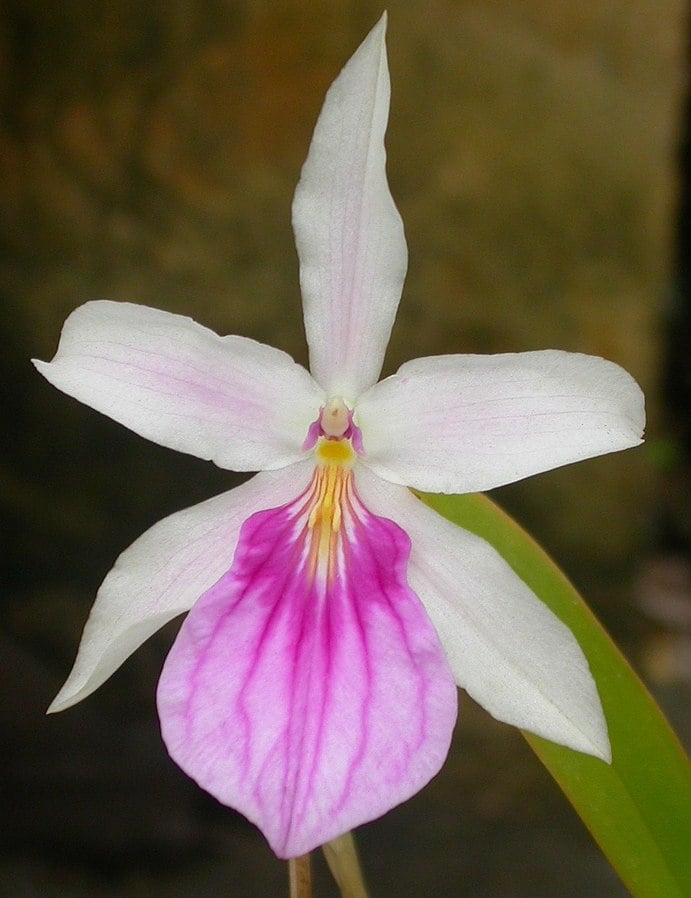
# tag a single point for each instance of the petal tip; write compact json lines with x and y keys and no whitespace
{"x":606,"y":754}
{"x":597,"y":744}
{"x":74,"y":690}
{"x":60,"y":703}
{"x":586,"y":738}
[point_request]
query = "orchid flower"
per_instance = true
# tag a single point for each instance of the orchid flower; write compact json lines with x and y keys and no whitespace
{"x":332,"y":614}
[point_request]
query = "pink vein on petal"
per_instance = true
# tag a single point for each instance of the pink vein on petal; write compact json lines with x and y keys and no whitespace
{"x":308,"y":688}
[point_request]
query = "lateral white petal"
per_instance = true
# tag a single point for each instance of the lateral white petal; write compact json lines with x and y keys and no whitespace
{"x":467,"y":423}
{"x":348,"y":232}
{"x":165,"y":571}
{"x":244,"y":405}
{"x":504,"y":646}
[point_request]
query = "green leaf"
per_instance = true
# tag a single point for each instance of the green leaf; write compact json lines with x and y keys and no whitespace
{"x":638,"y":808}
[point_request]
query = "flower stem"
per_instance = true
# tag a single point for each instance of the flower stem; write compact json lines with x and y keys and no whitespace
{"x":341,"y":856}
{"x":300,"y":875}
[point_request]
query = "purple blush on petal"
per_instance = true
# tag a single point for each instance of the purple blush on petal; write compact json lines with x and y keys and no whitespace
{"x":310,"y":696}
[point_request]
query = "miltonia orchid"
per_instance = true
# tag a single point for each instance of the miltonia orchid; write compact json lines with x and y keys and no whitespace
{"x":332,"y":614}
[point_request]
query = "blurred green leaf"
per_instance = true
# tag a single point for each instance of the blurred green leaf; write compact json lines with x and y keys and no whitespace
{"x":638,"y":808}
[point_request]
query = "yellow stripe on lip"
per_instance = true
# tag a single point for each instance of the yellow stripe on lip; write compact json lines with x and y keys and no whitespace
{"x":331,"y":493}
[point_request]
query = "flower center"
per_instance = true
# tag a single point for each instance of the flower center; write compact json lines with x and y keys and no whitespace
{"x":334,"y":424}
{"x":335,"y":418}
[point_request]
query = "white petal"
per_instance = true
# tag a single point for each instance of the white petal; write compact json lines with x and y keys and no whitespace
{"x":241,"y":404}
{"x":467,"y":423}
{"x":348,"y":232}
{"x":165,"y":571}
{"x":504,"y":646}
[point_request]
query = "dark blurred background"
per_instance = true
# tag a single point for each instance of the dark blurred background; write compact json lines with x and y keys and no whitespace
{"x":149,"y":152}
